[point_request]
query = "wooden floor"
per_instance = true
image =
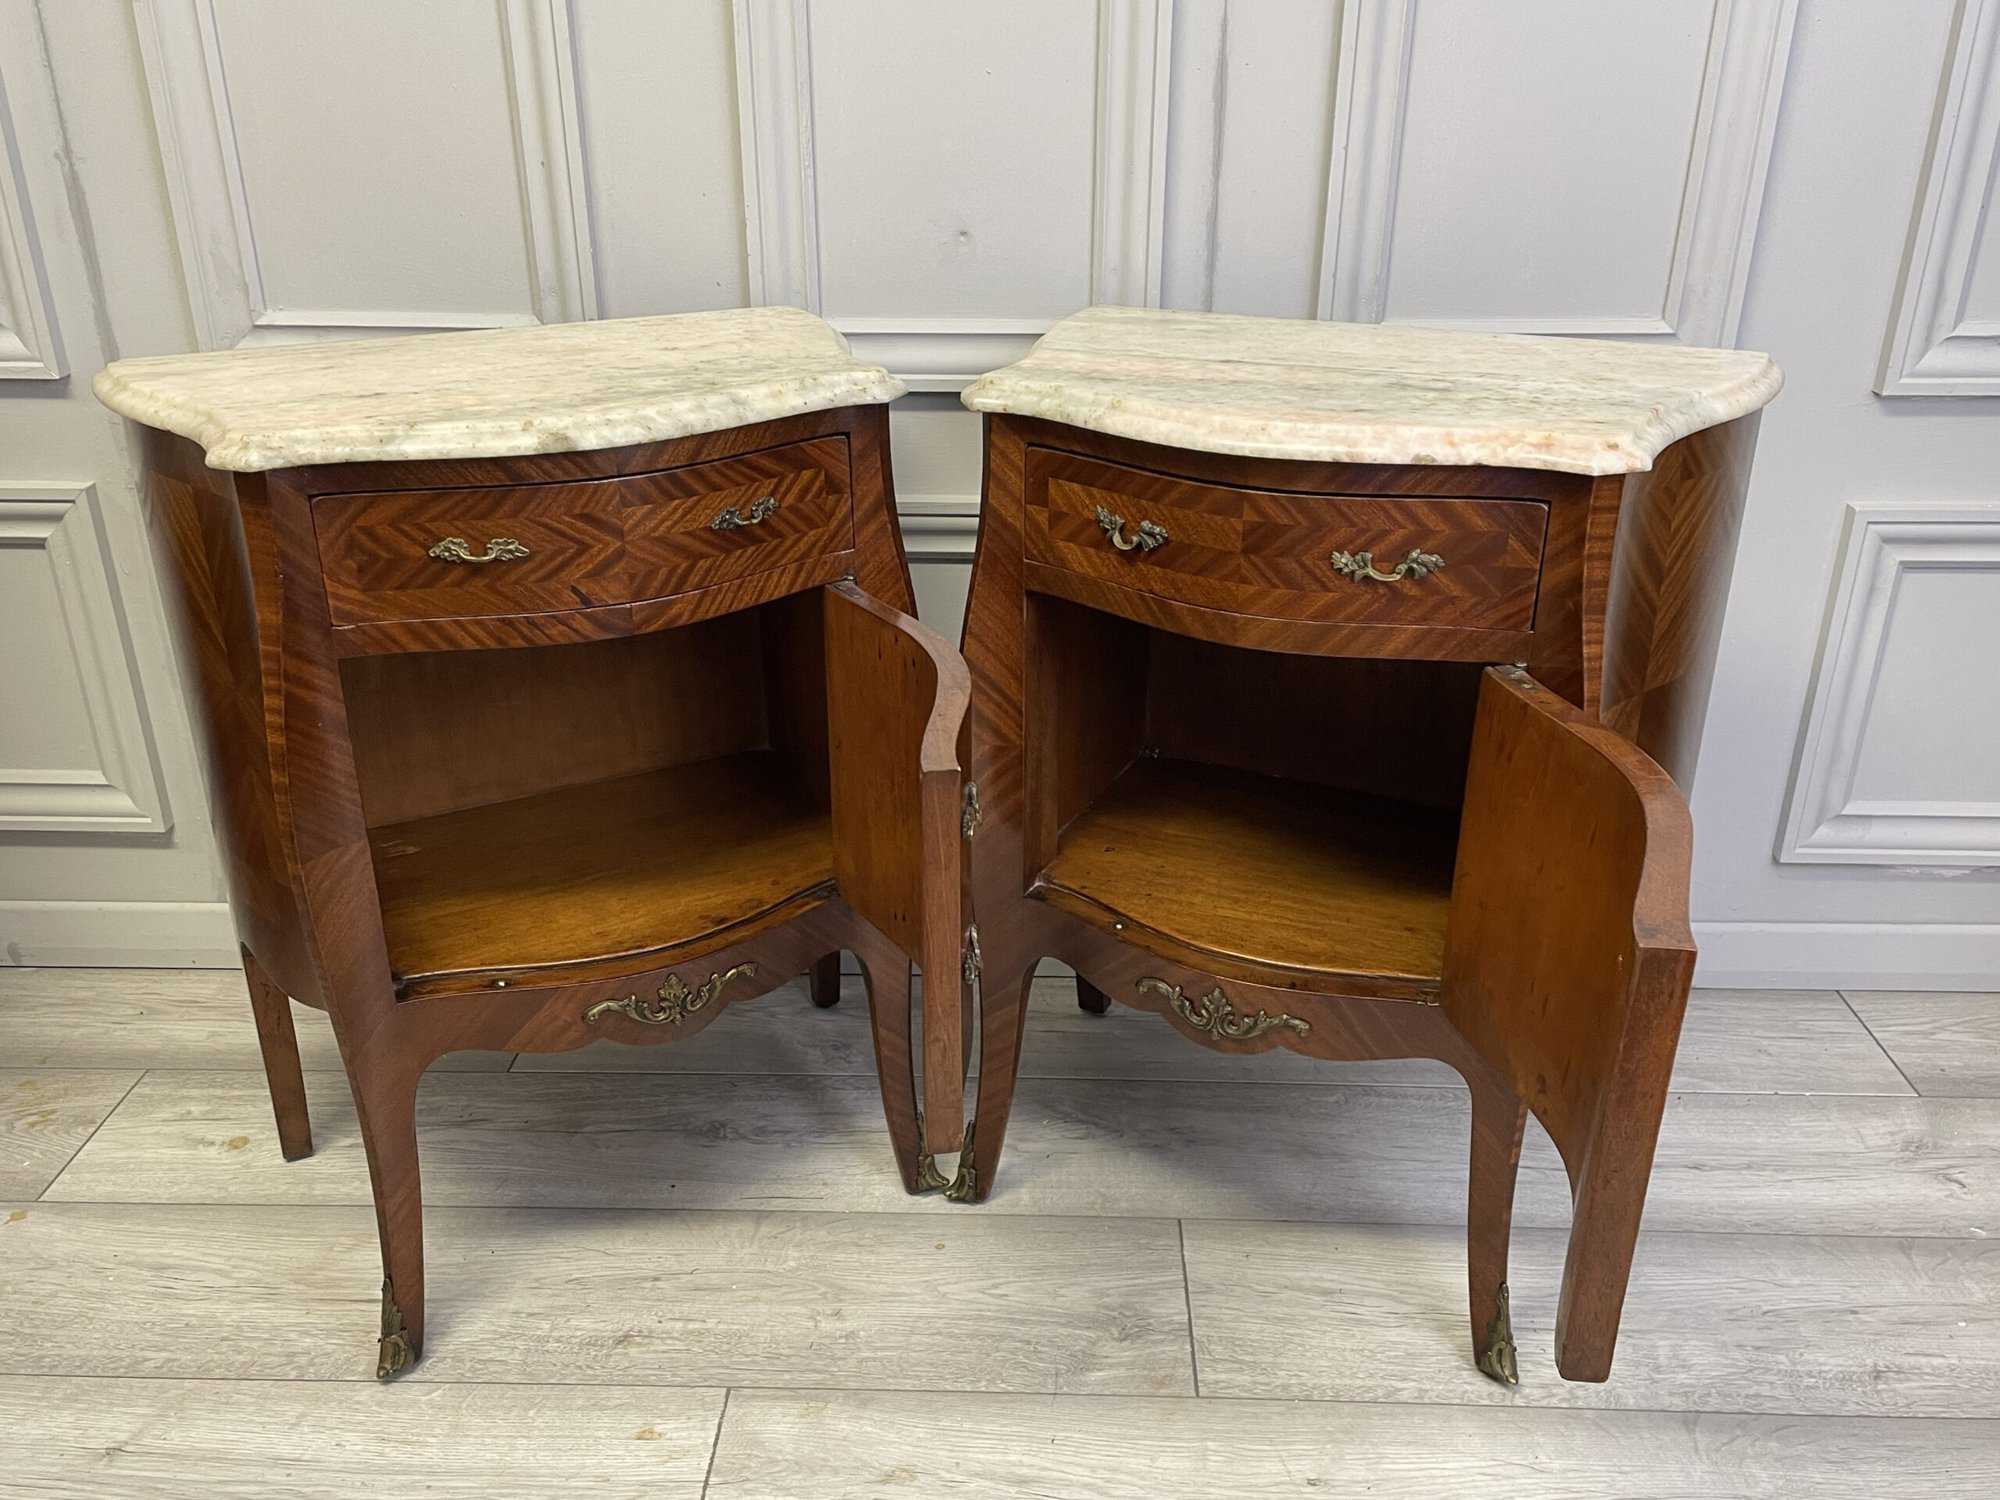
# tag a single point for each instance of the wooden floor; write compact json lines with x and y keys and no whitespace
{"x":690,"y":1272}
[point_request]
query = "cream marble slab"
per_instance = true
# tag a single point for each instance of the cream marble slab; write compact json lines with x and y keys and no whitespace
{"x":495,"y":393}
{"x":1374,"y":393}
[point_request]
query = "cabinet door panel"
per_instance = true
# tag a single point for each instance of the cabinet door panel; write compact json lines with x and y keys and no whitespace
{"x":1567,"y":963}
{"x":899,"y":725}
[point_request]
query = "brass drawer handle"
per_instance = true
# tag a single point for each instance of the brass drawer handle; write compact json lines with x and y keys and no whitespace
{"x":1214,"y":1014}
{"x":1360,"y":565}
{"x":676,"y":1001}
{"x":457,"y":549}
{"x":733,"y":518}
{"x":1150,"y":534}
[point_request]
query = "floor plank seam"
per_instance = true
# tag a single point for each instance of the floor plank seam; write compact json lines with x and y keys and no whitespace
{"x":70,"y":1160}
{"x":715,"y":1443}
{"x":1187,"y":1299}
{"x":1973,"y":1236}
{"x":1881,"y":1046}
{"x":1518,"y":1402}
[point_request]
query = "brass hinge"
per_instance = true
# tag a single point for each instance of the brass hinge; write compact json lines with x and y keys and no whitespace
{"x":973,"y":814}
{"x":970,"y":967}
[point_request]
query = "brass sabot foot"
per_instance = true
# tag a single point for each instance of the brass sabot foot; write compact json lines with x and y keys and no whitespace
{"x":398,"y":1348}
{"x":1497,"y":1360}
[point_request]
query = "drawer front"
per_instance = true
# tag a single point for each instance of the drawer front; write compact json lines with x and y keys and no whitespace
{"x":1357,"y":559}
{"x":530,"y":549}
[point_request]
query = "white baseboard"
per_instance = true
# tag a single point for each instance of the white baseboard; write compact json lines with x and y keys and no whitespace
{"x":118,"y":934}
{"x":1848,"y":955}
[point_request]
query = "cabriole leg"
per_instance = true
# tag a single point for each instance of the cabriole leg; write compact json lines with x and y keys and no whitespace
{"x":279,"y":1040}
{"x":385,"y":1098}
{"x":1003,"y":1012}
{"x":1498,"y":1119}
{"x":823,"y":981}
{"x":887,"y":978}
{"x":1089,"y":997}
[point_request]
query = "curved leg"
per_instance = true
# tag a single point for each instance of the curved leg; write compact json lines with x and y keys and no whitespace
{"x":823,"y":981}
{"x":1089,"y":997}
{"x":887,"y":979}
{"x":385,"y":1099}
{"x":1497,"y":1122}
{"x":280,"y":1043}
{"x":1003,"y":1013}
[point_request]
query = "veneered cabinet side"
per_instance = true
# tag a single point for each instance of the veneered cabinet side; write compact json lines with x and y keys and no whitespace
{"x":898,"y":718}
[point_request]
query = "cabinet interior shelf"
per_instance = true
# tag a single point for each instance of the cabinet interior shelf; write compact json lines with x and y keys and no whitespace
{"x":617,"y":867}
{"x":1263,"y":869}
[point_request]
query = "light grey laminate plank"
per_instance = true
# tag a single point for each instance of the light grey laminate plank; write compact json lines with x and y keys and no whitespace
{"x":157,"y":1018}
{"x":1730,"y":1162}
{"x":45,"y":1116}
{"x":1744,"y":1041}
{"x":250,"y":1440}
{"x":1824,"y":1325}
{"x":1752,"y":1041}
{"x":969,"y":1302}
{"x":1946,"y":1043}
{"x":1779,"y":1042}
{"x":840,"y":1445}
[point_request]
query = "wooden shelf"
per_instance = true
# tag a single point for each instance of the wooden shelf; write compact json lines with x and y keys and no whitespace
{"x":1267,"y":871}
{"x":611,"y":868}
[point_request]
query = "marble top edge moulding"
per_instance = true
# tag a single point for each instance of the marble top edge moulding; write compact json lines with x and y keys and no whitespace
{"x":1371,"y":393}
{"x":496,"y":393}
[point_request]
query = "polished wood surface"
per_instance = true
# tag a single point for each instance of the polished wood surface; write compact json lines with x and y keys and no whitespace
{"x":1575,"y":996}
{"x":1276,"y":873}
{"x":1675,"y":549}
{"x":550,"y":830}
{"x":1062,"y":652}
{"x":587,"y":543}
{"x":610,"y":868}
{"x":897,"y":821}
{"x":1261,"y":552}
{"x":435,"y":731}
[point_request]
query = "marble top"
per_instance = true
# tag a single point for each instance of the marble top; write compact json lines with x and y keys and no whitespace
{"x":1374,"y":393}
{"x":494,"y":393}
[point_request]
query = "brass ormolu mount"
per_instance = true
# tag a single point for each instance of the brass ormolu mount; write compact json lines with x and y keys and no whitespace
{"x":675,"y":1002}
{"x":1213,"y":1013}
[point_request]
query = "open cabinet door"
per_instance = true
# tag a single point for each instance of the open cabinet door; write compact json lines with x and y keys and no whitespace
{"x":899,"y":731}
{"x":1567,"y":963}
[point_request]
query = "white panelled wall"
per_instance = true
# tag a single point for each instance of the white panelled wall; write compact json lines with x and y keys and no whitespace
{"x":1810,"y":177}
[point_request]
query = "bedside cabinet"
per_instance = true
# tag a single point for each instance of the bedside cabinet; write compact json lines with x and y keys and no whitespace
{"x":1333,"y":684}
{"x":559,"y":684}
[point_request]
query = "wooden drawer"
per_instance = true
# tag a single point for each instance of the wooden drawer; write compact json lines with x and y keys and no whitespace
{"x":529,"y":549}
{"x":1464,"y":563}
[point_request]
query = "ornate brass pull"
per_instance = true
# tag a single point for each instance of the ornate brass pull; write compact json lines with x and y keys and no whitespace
{"x":457,"y":549}
{"x":1214,"y":1014}
{"x":676,"y":1001}
{"x":732,"y":517}
{"x":1360,"y":565}
{"x":1150,"y":534}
